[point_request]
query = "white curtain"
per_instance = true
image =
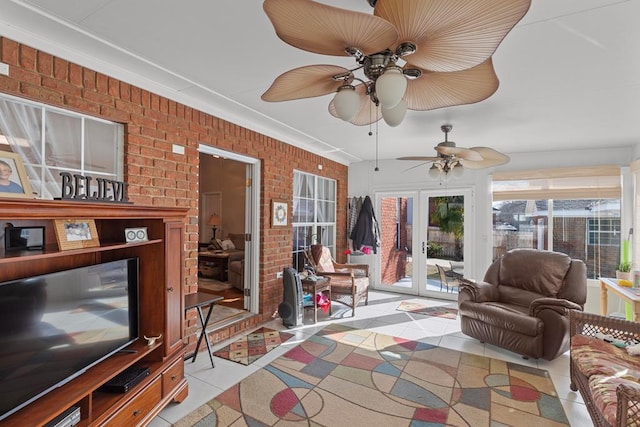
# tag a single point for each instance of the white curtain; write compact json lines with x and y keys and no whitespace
{"x":21,"y":125}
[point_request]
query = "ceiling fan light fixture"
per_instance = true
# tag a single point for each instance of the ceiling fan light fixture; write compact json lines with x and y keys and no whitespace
{"x":457,"y":170}
{"x":394,"y":116}
{"x":391,"y":87}
{"x":434,"y":171}
{"x":346,"y":102}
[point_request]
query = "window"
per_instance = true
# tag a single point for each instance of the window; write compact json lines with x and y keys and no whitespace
{"x":573,"y":211}
{"x":605,"y":231}
{"x":51,"y":140}
{"x":314,"y":214}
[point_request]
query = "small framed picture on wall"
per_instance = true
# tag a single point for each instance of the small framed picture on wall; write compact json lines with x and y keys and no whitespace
{"x":279,"y":213}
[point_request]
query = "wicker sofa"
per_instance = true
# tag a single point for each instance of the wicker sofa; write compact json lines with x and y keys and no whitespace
{"x":607,"y":377}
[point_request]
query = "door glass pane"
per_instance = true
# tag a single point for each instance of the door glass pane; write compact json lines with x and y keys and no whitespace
{"x":445,"y":243}
{"x":396,"y":255}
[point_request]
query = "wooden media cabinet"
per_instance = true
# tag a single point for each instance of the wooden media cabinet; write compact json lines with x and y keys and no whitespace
{"x":160,"y":301}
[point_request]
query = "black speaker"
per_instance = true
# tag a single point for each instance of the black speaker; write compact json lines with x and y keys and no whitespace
{"x":291,"y":309}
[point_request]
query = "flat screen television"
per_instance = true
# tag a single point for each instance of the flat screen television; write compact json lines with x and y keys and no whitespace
{"x":55,"y":326}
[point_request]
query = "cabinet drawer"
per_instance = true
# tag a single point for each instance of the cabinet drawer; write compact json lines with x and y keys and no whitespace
{"x":137,"y":409}
{"x":172,"y":376}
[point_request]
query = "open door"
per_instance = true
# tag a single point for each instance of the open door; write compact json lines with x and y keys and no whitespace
{"x":237,"y":181}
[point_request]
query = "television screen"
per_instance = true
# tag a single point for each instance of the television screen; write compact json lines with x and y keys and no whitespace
{"x":55,"y":326}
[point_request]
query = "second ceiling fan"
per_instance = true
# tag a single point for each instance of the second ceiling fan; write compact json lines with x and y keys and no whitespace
{"x":453,"y":159}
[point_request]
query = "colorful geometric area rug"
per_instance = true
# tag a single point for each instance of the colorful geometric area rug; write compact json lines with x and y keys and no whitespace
{"x":436,"y":311}
{"x":351,"y":377}
{"x":252,"y":347}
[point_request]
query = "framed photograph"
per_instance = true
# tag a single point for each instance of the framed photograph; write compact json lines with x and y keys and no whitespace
{"x":76,"y":233}
{"x":14,"y":181}
{"x":279,"y":213}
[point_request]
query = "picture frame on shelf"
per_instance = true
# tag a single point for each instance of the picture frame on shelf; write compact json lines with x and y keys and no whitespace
{"x":279,"y":213}
{"x":14,"y":181}
{"x":76,"y":233}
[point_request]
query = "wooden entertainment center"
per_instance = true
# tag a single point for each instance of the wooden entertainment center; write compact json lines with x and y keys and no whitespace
{"x":161,"y":306}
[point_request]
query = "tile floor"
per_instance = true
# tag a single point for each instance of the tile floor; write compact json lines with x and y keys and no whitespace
{"x":381,"y":316}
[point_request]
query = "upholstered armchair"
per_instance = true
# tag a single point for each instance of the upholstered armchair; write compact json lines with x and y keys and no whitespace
{"x":349,"y":282}
{"x":524,"y":301}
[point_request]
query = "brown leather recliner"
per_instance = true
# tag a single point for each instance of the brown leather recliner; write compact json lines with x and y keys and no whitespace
{"x":524,"y":301}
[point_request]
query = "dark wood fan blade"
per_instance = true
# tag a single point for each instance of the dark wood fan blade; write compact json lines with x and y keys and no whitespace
{"x":368,"y":112}
{"x":435,"y":90}
{"x":305,"y":82}
{"x":328,"y":30}
{"x":452,"y":35}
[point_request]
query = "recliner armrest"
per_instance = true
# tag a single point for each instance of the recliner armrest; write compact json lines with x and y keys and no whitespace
{"x":560,"y":306}
{"x":478,"y":290}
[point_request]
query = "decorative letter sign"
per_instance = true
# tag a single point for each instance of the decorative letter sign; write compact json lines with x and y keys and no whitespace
{"x":85,"y":188}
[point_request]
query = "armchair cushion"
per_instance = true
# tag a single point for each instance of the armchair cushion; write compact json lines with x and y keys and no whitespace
{"x":349,"y":282}
{"x":542,"y":274}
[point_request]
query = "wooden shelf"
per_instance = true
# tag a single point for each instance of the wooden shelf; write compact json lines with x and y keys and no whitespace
{"x":52,"y":251}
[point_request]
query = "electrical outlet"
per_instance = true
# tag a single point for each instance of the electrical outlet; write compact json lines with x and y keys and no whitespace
{"x":279,"y":275}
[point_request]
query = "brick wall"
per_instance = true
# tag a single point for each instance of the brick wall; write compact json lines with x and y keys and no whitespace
{"x":392,"y":260}
{"x":157,"y":176}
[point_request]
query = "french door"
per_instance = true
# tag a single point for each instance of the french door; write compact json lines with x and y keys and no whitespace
{"x":422,"y":232}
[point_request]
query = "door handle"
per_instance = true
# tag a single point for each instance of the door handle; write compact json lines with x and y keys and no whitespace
{"x":423,"y":247}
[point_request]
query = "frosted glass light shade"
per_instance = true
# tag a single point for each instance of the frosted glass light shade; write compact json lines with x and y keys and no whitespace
{"x":457,"y":170}
{"x":390,"y":87}
{"x":346,"y":102}
{"x":434,"y":171}
{"x":394,"y":116}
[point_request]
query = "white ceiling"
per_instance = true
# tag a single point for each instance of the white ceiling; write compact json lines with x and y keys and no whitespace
{"x":569,"y":72}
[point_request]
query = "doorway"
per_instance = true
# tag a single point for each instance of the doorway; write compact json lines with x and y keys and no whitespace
{"x":424,"y":243}
{"x":229,"y":187}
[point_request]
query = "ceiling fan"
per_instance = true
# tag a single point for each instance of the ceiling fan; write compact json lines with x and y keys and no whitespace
{"x":452,"y":159}
{"x":414,"y":54}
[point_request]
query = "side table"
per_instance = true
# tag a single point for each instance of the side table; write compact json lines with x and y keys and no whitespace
{"x":199,"y":300}
{"x":627,"y":295}
{"x":314,"y":287}
{"x":220,"y":259}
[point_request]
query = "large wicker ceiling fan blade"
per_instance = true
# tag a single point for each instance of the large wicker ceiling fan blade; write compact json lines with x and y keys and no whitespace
{"x":435,"y":90}
{"x":368,"y":112}
{"x":328,"y":30}
{"x":451,"y":35}
{"x":305,"y":82}
{"x":490,"y":157}
{"x":459,"y":152}
{"x":421,"y":158}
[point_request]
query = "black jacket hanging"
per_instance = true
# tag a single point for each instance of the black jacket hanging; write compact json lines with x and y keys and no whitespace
{"x":366,"y":232}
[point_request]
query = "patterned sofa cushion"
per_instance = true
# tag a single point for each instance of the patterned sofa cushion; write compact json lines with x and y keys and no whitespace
{"x":603,"y":389}
{"x":596,"y":357}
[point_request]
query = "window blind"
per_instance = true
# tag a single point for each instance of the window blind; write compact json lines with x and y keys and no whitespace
{"x":600,"y":182}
